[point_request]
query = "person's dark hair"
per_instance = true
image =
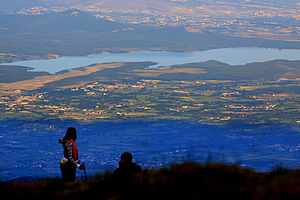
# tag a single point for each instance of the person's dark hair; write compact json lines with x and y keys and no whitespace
{"x":71,"y":134}
{"x":127,"y":157}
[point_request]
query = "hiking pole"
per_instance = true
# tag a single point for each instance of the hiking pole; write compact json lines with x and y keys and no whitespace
{"x":85,"y":176}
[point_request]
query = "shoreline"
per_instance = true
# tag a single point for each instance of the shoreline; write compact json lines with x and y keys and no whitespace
{"x":215,"y":123}
{"x":162,"y":57}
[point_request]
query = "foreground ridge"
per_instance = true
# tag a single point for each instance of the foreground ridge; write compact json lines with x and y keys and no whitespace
{"x":180,"y":181}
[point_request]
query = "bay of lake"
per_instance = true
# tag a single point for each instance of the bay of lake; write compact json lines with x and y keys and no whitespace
{"x":233,"y":56}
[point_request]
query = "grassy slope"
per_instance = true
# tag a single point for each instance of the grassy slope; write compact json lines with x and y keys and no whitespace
{"x":181,"y":181}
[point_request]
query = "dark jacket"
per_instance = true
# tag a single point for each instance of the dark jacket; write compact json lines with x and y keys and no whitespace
{"x":127,"y":170}
{"x":70,"y":152}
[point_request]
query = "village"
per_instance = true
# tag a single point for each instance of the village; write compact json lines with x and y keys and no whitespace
{"x":247,"y":20}
{"x":202,"y":101}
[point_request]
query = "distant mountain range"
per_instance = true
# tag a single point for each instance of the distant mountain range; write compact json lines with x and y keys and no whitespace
{"x":132,"y":4}
{"x":75,"y":32}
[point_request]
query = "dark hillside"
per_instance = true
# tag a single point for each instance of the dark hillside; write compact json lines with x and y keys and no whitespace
{"x":9,"y":74}
{"x":71,"y":20}
{"x":266,"y":71}
{"x":75,"y":32}
{"x":181,"y":181}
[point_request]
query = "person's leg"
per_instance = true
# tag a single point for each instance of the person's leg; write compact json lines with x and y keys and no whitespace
{"x":68,"y":172}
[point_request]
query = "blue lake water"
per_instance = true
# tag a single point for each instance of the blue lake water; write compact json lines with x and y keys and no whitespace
{"x":32,"y":149}
{"x":233,"y":56}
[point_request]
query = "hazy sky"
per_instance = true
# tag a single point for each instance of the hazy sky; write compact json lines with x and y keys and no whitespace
{"x":18,"y":4}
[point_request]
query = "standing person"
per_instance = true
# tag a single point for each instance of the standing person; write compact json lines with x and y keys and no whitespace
{"x":70,"y":161}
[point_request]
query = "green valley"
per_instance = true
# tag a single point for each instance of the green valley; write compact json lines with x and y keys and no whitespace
{"x":209,"y":92}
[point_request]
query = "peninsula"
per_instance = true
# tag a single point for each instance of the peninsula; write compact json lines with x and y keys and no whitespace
{"x":209,"y":92}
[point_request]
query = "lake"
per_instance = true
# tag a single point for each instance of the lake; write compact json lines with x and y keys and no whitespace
{"x":233,"y":56}
{"x":32,"y":149}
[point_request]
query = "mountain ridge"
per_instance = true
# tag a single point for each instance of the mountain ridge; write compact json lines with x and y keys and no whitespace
{"x":180,"y":181}
{"x":78,"y":33}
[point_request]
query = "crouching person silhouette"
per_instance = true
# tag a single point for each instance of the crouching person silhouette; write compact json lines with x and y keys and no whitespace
{"x":69,"y":163}
{"x":124,"y":181}
{"x":126,"y":167}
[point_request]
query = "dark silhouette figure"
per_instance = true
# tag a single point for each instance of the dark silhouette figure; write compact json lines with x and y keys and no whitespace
{"x":126,"y":167}
{"x":124,"y":179}
{"x":69,"y":163}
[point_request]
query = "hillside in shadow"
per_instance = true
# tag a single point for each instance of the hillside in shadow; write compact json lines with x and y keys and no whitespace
{"x":74,"y":32}
{"x":180,"y":181}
